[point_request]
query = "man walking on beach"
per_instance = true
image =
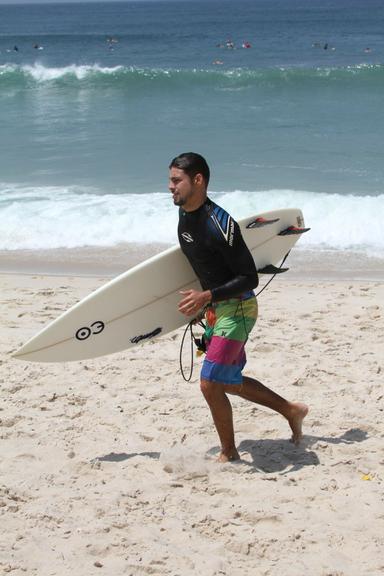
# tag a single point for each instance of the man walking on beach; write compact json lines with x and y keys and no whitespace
{"x":212,"y":242}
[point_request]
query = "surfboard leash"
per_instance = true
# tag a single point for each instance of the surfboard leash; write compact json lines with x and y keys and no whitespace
{"x":199,"y":343}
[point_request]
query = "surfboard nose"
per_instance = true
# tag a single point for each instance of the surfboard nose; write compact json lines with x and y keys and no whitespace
{"x":27,"y":353}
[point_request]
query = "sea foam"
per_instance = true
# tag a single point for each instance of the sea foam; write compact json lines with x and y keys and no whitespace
{"x":70,"y":217}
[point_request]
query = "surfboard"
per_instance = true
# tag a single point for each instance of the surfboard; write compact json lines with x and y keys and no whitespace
{"x":142,"y":303}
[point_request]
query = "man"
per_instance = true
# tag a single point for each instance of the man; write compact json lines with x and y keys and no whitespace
{"x":212,"y":242}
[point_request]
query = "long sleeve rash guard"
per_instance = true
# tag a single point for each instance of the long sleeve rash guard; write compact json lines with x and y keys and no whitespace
{"x":215,"y":248}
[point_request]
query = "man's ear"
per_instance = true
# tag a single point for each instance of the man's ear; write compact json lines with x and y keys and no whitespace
{"x":198,"y":179}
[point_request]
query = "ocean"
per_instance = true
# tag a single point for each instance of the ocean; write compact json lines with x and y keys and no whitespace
{"x":283,"y":97}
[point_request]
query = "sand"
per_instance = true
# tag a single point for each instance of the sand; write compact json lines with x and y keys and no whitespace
{"x":108,"y":465}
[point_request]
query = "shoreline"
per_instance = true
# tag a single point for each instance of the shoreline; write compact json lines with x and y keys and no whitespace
{"x":108,"y":262}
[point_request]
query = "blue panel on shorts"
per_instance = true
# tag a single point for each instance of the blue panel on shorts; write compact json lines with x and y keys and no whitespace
{"x":220,"y":373}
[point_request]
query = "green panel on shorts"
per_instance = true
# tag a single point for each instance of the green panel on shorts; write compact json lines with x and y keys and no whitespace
{"x":234,"y":319}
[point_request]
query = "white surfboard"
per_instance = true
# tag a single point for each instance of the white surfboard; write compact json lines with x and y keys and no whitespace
{"x":142,"y":303}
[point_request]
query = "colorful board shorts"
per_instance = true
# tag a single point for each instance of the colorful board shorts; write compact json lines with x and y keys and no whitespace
{"x":228,"y":325}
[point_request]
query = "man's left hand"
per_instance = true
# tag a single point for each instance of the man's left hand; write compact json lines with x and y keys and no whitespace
{"x":193,"y":301}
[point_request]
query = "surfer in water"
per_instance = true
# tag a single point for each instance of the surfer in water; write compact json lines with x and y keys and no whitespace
{"x":214,"y":246}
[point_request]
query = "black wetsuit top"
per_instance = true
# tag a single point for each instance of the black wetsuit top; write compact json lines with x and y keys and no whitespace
{"x":215,"y":248}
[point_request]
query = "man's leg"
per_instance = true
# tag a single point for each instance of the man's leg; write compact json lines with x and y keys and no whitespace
{"x":221,"y":411}
{"x":255,"y":391}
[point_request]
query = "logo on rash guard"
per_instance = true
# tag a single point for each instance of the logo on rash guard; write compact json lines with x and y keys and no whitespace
{"x":227,"y":229}
{"x":231,"y":232}
{"x":187,"y":237}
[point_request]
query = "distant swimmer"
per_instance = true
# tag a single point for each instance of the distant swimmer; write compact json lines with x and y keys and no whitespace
{"x":15,"y":49}
{"x":38,"y":47}
{"x":324,"y":46}
{"x":246,"y":45}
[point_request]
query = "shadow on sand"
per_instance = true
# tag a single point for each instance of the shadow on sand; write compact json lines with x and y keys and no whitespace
{"x":269,"y":455}
{"x":282,"y":456}
{"x":120,"y":457}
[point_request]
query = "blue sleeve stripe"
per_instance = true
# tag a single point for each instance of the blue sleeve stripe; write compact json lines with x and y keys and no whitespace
{"x":222,"y":217}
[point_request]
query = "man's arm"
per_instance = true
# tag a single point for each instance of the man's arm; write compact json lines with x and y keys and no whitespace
{"x":244,"y":274}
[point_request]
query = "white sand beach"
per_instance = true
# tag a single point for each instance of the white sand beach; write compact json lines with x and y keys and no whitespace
{"x":108,"y":465}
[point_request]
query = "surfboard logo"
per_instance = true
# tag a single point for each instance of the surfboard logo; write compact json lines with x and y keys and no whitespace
{"x":187,"y":237}
{"x":85,"y":332}
{"x":137,"y":339}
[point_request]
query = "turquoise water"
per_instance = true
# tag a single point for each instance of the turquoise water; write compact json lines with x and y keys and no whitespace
{"x":98,"y":98}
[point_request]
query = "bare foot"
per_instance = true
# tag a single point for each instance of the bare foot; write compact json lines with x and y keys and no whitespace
{"x":229,"y":456}
{"x":298,"y":413}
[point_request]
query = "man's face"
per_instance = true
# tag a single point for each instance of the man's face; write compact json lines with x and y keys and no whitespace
{"x":181,"y":187}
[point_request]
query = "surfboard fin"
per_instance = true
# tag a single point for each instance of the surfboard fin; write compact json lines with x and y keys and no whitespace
{"x":293,"y":230}
{"x":261,"y":222}
{"x":271,"y":269}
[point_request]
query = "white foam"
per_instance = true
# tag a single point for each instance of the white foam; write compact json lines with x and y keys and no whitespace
{"x":54,"y":217}
{"x":42,"y":74}
{"x":341,"y":222}
{"x":70,"y":217}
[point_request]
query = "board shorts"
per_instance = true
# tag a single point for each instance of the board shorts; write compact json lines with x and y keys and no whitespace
{"x":228,"y":325}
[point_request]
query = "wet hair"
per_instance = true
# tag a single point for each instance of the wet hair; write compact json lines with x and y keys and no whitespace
{"x":192,"y":164}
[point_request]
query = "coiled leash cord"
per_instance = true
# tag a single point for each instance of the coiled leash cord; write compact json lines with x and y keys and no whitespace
{"x":199,"y":342}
